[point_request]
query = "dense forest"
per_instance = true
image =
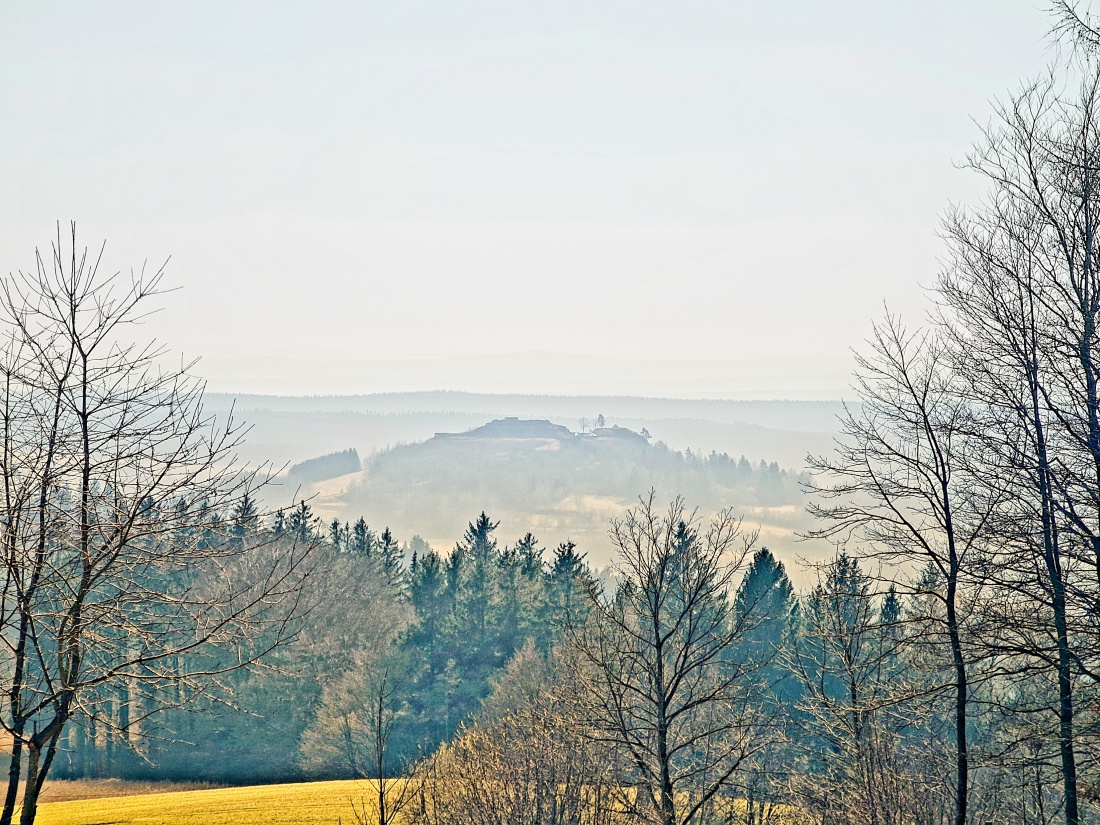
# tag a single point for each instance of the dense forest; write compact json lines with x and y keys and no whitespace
{"x":441,"y":628}
{"x":471,"y":663}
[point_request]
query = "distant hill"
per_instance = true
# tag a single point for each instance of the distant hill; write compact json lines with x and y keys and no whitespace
{"x":513,"y":427}
{"x":288,"y":429}
{"x":326,"y":466}
{"x":542,"y":476}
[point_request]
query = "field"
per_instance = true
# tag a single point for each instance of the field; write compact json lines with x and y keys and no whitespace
{"x":309,"y":803}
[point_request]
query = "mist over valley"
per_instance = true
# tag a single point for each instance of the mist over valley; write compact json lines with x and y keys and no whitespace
{"x":434,"y":460}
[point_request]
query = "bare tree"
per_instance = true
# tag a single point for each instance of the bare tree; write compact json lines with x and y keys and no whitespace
{"x":353,"y":735}
{"x":118,"y":566}
{"x":527,"y":757}
{"x":367,"y":738}
{"x":1021,"y":296}
{"x":866,"y":756}
{"x":666,"y":683}
{"x":1079,"y":27}
{"x":897,"y":490}
{"x":977,"y":446}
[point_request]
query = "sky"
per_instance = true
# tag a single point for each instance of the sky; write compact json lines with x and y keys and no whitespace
{"x":708,"y":199}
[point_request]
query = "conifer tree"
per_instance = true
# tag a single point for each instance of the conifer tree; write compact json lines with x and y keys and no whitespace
{"x":571,"y":582}
{"x":362,"y":539}
{"x":389,"y":551}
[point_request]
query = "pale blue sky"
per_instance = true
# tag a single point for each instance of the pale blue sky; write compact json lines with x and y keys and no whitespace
{"x":732,"y":186}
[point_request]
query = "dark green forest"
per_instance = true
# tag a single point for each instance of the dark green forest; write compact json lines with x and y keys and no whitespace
{"x":424,"y":653}
{"x":442,"y":626}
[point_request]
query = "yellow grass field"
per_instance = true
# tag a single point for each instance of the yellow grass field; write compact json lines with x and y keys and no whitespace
{"x":307,"y":803}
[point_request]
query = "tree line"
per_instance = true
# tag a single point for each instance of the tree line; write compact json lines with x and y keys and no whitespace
{"x":693,"y":686}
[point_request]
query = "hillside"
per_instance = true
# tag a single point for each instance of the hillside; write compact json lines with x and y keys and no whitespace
{"x":291,"y":429}
{"x":541,"y":476}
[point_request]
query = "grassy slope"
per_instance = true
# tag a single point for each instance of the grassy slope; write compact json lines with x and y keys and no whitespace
{"x":69,"y":790}
{"x":310,"y":803}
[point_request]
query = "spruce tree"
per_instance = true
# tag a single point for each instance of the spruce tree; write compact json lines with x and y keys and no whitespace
{"x":389,"y":551}
{"x":362,"y":539}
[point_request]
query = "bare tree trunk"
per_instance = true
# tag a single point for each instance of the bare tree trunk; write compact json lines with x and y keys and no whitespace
{"x":962,"y":755}
{"x":31,"y":786}
{"x":1065,"y":709}
{"x":1053,"y":560}
{"x":15,"y":770}
{"x":667,"y":800}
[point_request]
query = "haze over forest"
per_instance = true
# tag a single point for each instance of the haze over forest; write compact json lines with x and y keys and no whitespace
{"x":574,"y":504}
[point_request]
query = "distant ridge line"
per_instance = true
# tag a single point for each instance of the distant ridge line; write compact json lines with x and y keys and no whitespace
{"x":503,"y":395}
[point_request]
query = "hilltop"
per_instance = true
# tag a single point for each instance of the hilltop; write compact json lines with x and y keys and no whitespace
{"x":542,"y":476}
{"x":291,"y":429}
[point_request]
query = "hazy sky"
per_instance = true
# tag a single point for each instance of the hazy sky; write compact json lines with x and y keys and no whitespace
{"x":708,"y":198}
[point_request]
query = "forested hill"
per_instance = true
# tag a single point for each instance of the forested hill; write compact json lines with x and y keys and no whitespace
{"x":291,"y":429}
{"x":540,"y":476}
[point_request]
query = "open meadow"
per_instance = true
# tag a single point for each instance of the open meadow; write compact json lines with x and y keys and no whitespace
{"x":304,"y":803}
{"x":307,"y":803}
